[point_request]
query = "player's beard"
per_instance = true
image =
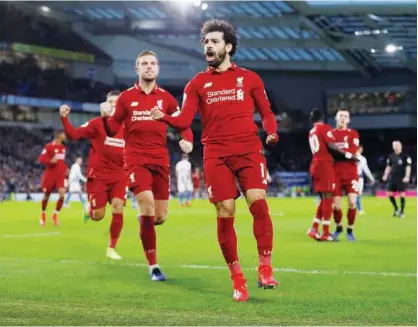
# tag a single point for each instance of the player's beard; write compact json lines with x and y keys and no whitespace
{"x":219,"y":59}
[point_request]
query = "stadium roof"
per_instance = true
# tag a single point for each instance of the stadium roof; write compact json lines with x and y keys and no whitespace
{"x":325,"y":35}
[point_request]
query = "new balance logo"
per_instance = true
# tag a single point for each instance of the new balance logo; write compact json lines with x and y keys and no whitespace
{"x":134,"y":104}
{"x":207,"y":85}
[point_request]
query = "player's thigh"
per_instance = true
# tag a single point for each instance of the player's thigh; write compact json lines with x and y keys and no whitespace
{"x":323,"y":177}
{"x":48,"y":183}
{"x":251,"y":170}
{"x":139,"y":179}
{"x":338,"y":186}
{"x":181,"y":187}
{"x":117,"y":204}
{"x":219,"y":180}
{"x":351,"y":186}
{"x":392,"y":186}
{"x":117,"y":192}
{"x":161,"y":182}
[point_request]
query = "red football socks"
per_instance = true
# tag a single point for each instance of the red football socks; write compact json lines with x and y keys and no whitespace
{"x":44,"y":202}
{"x":338,"y":215}
{"x":60,"y":202}
{"x":318,"y":216}
{"x":148,"y":238}
{"x":115,"y":229}
{"x":227,"y":239}
{"x":351,"y":217}
{"x":263,"y":230}
{"x":326,"y":214}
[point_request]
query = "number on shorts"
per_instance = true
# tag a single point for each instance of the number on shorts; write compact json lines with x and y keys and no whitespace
{"x":314,"y":143}
{"x":355,"y":185}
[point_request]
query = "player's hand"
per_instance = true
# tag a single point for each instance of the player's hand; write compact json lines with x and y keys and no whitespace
{"x":384,"y":178}
{"x":54,"y":160}
{"x":105,"y":109}
{"x":186,"y":146}
{"x":372,"y":182}
{"x":355,"y":158}
{"x":64,"y":110}
{"x":405,"y":180}
{"x":272,"y":138}
{"x":156,"y":114}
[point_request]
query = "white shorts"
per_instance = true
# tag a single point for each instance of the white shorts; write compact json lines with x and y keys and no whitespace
{"x":360,"y":185}
{"x":74,"y":188}
{"x":184,"y":187}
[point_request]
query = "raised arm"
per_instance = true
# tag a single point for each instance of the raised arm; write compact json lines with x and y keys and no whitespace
{"x":185,"y":118}
{"x":174,"y":110}
{"x":333,"y":147}
{"x":113,"y":123}
{"x":87,"y":130}
{"x":263,"y":106}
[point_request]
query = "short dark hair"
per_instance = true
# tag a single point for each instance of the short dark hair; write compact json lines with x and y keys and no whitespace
{"x":217,"y":25}
{"x":112,"y":93}
{"x":147,"y":53}
{"x":316,"y":115}
{"x":58,"y":132}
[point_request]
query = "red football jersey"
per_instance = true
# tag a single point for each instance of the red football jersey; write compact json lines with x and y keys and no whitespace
{"x":348,"y":141}
{"x":226,"y":102}
{"x":106,"y":153}
{"x":50,"y":151}
{"x":146,"y":139}
{"x":319,"y":136}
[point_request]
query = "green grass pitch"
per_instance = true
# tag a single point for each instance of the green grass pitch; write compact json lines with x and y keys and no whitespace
{"x":59,"y":276}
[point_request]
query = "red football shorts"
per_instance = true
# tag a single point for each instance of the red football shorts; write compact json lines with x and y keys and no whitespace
{"x":322,"y":174}
{"x":51,"y":182}
{"x":150,"y":177}
{"x":221,"y":175}
{"x":346,"y":183}
{"x":101,"y":191}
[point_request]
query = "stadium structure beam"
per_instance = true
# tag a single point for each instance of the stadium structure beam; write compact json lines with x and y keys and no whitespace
{"x":389,"y":8}
{"x":301,"y":6}
{"x":385,"y":39}
{"x":294,"y":65}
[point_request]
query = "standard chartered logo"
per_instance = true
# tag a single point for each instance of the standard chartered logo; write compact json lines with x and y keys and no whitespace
{"x":225,"y":95}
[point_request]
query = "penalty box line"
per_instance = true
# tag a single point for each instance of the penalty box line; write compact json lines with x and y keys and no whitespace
{"x":185,"y":266}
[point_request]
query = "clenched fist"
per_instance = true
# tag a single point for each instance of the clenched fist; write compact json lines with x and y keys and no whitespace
{"x":64,"y":110}
{"x":272,"y":139}
{"x":105,"y":109}
{"x":186,"y":146}
{"x":156,"y":114}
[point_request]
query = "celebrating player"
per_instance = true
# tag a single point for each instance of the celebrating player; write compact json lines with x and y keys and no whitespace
{"x":362,"y":169}
{"x":184,"y":180}
{"x":226,"y":96}
{"x":52,"y":157}
{"x":74,"y":182}
{"x":346,"y":173}
{"x":196,"y":177}
{"x":398,"y":164}
{"x":322,"y":144}
{"x":146,"y":155}
{"x":106,"y":181}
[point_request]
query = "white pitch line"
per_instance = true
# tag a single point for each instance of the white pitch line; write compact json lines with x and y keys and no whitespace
{"x":282,"y":270}
{"x":31,"y":235}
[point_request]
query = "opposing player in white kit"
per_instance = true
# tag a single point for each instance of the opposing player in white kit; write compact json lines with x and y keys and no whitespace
{"x":184,"y":180}
{"x":363,"y":169}
{"x":74,"y":182}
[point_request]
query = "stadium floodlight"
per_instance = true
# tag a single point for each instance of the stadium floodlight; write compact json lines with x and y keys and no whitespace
{"x":373,"y":50}
{"x":197,"y":3}
{"x":204,"y":6}
{"x":391,"y":48}
{"x":45,"y":9}
{"x":357,"y":33}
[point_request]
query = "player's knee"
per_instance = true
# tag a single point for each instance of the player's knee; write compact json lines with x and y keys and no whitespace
{"x":160,"y":218}
{"x":225,"y":208}
{"x":117,"y":206}
{"x":98,"y":214}
{"x":255,"y":195}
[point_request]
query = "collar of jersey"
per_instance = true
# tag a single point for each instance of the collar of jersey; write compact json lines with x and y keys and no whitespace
{"x":139,"y":88}
{"x":214,"y":71}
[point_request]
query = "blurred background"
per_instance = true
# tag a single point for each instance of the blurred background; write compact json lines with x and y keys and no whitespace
{"x":326,"y":54}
